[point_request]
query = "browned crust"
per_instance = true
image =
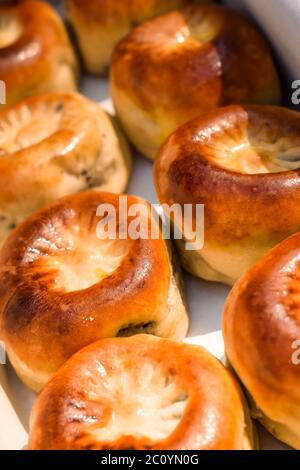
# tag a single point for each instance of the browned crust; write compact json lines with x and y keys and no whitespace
{"x":53,"y":145}
{"x":261,"y":322}
{"x":101,"y":24}
{"x":213,"y":395}
{"x":238,"y":206}
{"x":43,"y":326}
{"x":30,"y":63}
{"x":155,"y":70}
{"x":110,"y":12}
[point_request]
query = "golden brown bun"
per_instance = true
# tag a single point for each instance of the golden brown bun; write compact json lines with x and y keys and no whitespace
{"x":100,"y":24}
{"x":141,"y":393}
{"x":186,"y":63}
{"x":54,"y":145}
{"x":62,"y":287}
{"x":241,"y":163}
{"x":35,"y":52}
{"x":261,"y":328}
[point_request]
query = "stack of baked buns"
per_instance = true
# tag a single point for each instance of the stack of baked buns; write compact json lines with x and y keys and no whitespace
{"x":96,"y":322}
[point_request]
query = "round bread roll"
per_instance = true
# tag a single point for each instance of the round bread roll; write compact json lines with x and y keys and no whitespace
{"x":100,"y":24}
{"x":141,"y":393}
{"x":261,"y":329}
{"x":54,"y":145}
{"x":68,"y":280}
{"x":35,"y":52}
{"x":184,"y":64}
{"x":242,"y":163}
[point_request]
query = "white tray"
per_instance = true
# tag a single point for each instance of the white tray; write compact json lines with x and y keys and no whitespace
{"x":206,"y":302}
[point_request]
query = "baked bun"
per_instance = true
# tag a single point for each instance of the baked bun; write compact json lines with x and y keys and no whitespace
{"x":65,"y":283}
{"x":54,"y":145}
{"x":242,"y":164}
{"x":100,"y":24}
{"x":35,"y":52}
{"x":261,"y":329}
{"x":141,"y":393}
{"x":184,"y":64}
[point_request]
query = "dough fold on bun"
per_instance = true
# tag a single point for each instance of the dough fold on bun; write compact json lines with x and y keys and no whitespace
{"x":141,"y":393}
{"x":68,"y":279}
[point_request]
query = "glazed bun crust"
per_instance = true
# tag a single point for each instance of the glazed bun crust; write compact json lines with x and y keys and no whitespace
{"x":63,"y":287}
{"x":184,"y":64}
{"x":261,"y":328}
{"x":100,"y":24}
{"x":36,"y":55}
{"x":141,"y":393}
{"x":241,"y":163}
{"x":54,"y":145}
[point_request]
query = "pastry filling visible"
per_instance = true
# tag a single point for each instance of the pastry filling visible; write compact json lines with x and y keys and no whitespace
{"x":136,"y":329}
{"x":10,"y":30}
{"x":282,"y":155}
{"x":25,"y":127}
{"x":204,"y":28}
{"x":72,"y":259}
{"x":146,"y":403}
{"x":250,"y":155}
{"x":87,"y":264}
